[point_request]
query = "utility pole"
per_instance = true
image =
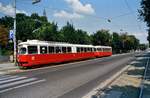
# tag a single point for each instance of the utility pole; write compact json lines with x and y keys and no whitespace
{"x":14,"y":37}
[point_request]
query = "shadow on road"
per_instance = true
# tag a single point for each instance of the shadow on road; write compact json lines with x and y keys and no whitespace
{"x":128,"y":91}
{"x":135,"y":72}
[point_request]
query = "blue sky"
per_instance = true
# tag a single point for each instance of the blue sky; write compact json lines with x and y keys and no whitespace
{"x":89,"y":15}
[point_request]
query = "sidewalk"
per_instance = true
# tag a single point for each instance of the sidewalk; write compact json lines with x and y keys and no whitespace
{"x":127,"y":85}
{"x":6,"y":68}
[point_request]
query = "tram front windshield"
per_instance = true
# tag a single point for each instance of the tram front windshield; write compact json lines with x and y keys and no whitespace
{"x":22,"y":50}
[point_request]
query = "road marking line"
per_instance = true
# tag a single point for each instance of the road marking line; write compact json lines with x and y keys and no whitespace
{"x":23,"y":85}
{"x":17,"y":82}
{"x":9,"y":77}
{"x":2,"y":76}
{"x":14,"y":79}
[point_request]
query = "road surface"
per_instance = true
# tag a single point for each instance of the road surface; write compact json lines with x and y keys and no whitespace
{"x":71,"y":80}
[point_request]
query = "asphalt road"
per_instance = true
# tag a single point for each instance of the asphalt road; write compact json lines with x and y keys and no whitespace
{"x":72,"y":80}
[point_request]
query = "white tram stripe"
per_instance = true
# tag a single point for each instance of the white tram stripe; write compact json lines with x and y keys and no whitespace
{"x":10,"y":80}
{"x":9,"y":77}
{"x":17,"y":82}
{"x":23,"y":85}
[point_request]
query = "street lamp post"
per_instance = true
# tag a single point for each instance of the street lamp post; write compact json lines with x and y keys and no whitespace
{"x":35,"y":1}
{"x":14,"y":37}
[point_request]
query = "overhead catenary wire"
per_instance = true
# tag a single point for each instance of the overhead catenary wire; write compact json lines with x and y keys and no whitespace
{"x":133,"y":14}
{"x":108,"y":20}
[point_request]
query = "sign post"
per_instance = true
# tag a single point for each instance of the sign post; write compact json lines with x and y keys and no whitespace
{"x":11,"y":34}
{"x":14,"y":35}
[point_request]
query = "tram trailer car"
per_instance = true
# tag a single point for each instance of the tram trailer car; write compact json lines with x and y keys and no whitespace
{"x":35,"y":52}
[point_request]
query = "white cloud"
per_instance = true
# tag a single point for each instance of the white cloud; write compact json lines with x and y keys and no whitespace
{"x":138,"y":34}
{"x":78,"y":7}
{"x":64,"y":14}
{"x":78,"y":10}
{"x":9,"y":10}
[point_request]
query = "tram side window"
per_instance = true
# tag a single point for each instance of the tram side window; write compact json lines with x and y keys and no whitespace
{"x":69,"y":49}
{"x":64,"y":50}
{"x":90,"y":49}
{"x":32,"y":50}
{"x":85,"y":49}
{"x":110,"y":50}
{"x":105,"y":49}
{"x":95,"y":49}
{"x":78,"y":49}
{"x":58,"y":49}
{"x":43,"y":49}
{"x":99,"y":49}
{"x":22,"y":50}
{"x":51,"y":49}
{"x":82,"y":49}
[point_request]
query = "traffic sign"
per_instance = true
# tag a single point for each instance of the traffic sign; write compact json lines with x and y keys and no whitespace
{"x":11,"y":34}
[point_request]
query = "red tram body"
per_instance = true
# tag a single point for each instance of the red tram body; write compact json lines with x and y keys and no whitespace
{"x":34,"y":52}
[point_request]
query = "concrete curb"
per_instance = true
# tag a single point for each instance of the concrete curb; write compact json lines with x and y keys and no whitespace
{"x":105,"y":83}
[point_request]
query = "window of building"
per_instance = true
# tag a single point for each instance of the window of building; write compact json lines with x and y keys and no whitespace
{"x":32,"y":50}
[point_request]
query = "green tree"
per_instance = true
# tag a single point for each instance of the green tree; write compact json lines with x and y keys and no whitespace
{"x":116,"y":42}
{"x":82,"y":37}
{"x":145,"y":14}
{"x":3,"y":36}
{"x":35,"y":16}
{"x":25,"y":29}
{"x":69,"y":33}
{"x":7,"y":22}
{"x":102,"y":37}
{"x":48,"y":32}
{"x":142,"y":47}
{"x":129,"y":42}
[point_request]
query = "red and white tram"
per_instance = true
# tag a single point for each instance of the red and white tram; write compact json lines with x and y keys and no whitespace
{"x":35,"y":52}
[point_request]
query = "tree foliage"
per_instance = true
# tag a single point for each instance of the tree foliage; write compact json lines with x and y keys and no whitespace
{"x":102,"y":37}
{"x":83,"y":37}
{"x":48,"y":32}
{"x":3,"y":36}
{"x":38,"y":27}
{"x":116,"y":42}
{"x":145,"y":14}
{"x":71,"y":35}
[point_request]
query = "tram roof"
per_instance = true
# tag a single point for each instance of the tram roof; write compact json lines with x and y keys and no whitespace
{"x":103,"y":47}
{"x":51,"y":43}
